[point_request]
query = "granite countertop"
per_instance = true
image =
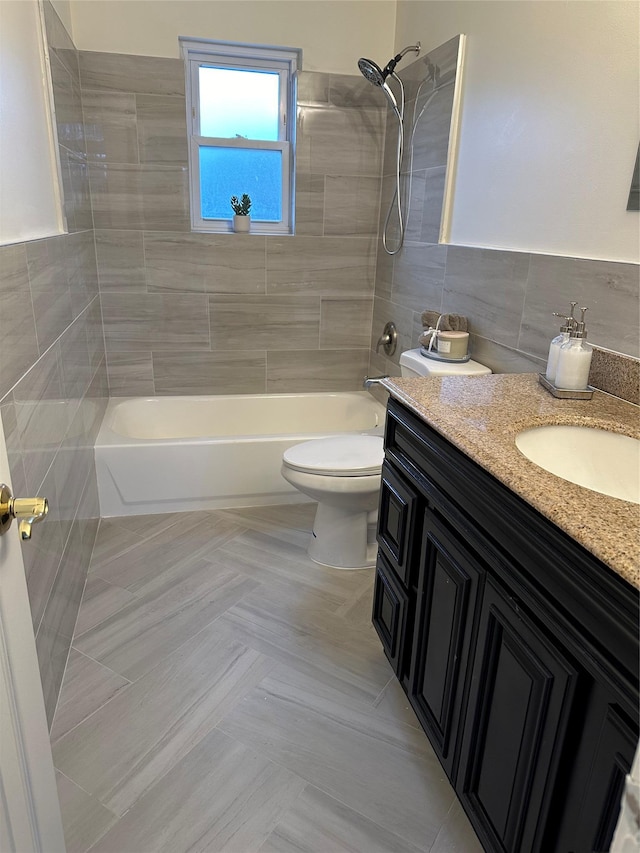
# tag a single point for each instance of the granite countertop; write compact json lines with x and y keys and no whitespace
{"x":482,"y":416}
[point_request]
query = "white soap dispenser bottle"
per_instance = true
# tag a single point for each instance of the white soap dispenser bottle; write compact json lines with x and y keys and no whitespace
{"x":558,"y":341}
{"x":574,"y":360}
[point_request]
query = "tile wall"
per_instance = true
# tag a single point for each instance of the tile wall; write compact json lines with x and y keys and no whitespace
{"x":507,"y":296}
{"x":189,"y":313}
{"x":53,"y":385}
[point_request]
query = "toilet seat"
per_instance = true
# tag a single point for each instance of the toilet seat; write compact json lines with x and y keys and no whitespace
{"x":339,"y":456}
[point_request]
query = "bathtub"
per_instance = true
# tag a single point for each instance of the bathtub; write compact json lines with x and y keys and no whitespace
{"x":175,"y":454}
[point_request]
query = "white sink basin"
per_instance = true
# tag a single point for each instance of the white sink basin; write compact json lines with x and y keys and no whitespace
{"x":602,"y":461}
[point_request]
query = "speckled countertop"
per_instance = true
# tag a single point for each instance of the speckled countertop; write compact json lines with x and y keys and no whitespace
{"x":482,"y":416}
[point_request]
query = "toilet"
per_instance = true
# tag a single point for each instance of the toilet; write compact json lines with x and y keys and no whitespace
{"x":342,"y":474}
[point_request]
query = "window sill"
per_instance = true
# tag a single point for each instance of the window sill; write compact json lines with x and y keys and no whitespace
{"x":256,"y":229}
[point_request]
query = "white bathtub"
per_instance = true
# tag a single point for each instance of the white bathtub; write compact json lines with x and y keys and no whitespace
{"x":175,"y":454}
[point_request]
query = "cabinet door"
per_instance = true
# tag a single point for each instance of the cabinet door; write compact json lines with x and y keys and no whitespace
{"x":450,"y":581}
{"x":389,"y":618}
{"x":604,"y":757}
{"x":396,"y":521}
{"x":519,"y":705}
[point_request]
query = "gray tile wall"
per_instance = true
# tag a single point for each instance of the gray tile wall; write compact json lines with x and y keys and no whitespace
{"x":53,"y":384}
{"x":508,"y":297}
{"x":189,"y":313}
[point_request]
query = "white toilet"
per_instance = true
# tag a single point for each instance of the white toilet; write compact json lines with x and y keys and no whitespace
{"x":343,"y":473}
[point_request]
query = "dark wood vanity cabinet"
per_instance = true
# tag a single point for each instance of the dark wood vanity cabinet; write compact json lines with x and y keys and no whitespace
{"x":518,"y":649}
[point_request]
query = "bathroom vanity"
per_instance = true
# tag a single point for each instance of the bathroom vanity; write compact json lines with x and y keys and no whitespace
{"x":506,"y":601}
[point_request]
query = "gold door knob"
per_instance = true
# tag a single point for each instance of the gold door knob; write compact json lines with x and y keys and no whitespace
{"x":27,"y":510}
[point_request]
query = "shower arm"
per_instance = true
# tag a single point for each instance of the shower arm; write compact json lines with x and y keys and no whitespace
{"x":390,"y":66}
{"x":415,"y":47}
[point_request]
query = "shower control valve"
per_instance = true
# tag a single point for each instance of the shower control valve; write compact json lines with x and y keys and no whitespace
{"x":388,"y":340}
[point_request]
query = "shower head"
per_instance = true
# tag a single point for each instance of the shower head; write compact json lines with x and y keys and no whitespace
{"x":371,"y":71}
{"x":377,"y":75}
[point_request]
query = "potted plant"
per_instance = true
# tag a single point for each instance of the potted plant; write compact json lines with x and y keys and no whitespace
{"x":241,"y":208}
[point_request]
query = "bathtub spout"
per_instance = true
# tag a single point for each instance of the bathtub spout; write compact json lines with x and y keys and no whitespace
{"x":372,"y":380}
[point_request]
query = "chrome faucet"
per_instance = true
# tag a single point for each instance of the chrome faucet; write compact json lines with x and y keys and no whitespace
{"x":372,"y":380}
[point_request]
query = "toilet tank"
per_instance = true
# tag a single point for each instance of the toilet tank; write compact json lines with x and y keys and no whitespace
{"x":413,"y":363}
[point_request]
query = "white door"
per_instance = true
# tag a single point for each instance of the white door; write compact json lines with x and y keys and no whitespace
{"x":29,"y":808}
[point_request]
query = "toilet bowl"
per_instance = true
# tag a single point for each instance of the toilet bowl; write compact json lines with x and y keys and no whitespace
{"x":343,"y":475}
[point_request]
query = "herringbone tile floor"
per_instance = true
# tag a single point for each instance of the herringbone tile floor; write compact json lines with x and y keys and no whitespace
{"x":225,"y":693}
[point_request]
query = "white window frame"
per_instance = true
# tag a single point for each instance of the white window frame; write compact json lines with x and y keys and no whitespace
{"x":242,"y":57}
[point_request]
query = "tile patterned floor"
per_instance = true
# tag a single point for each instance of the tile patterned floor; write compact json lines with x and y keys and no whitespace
{"x":224,"y":693}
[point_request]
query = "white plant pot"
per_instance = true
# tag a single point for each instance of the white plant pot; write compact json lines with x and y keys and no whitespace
{"x":241,"y":224}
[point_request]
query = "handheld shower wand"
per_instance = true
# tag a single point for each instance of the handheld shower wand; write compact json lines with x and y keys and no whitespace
{"x":378,"y":76}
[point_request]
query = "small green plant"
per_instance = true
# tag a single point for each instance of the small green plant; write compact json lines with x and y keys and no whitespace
{"x":241,"y":207}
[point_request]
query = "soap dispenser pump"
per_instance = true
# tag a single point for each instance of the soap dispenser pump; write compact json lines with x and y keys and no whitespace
{"x":554,"y":348}
{"x":574,"y":359}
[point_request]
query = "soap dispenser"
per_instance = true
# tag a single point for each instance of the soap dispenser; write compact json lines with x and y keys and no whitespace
{"x":558,"y":341}
{"x":574,"y":360}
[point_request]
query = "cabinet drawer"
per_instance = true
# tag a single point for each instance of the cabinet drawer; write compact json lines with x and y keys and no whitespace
{"x":390,"y":604}
{"x":396,"y":521}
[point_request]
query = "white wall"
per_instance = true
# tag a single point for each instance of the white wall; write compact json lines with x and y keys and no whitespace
{"x":30,"y":205}
{"x":550,"y":123}
{"x":331,"y":33}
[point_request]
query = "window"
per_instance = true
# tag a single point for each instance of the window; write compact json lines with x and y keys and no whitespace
{"x":241,"y":104}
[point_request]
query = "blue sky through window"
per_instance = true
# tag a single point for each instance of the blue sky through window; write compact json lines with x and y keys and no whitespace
{"x":233,"y":171}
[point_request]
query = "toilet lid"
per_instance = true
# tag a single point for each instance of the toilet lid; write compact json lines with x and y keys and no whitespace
{"x":340,"y":456}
